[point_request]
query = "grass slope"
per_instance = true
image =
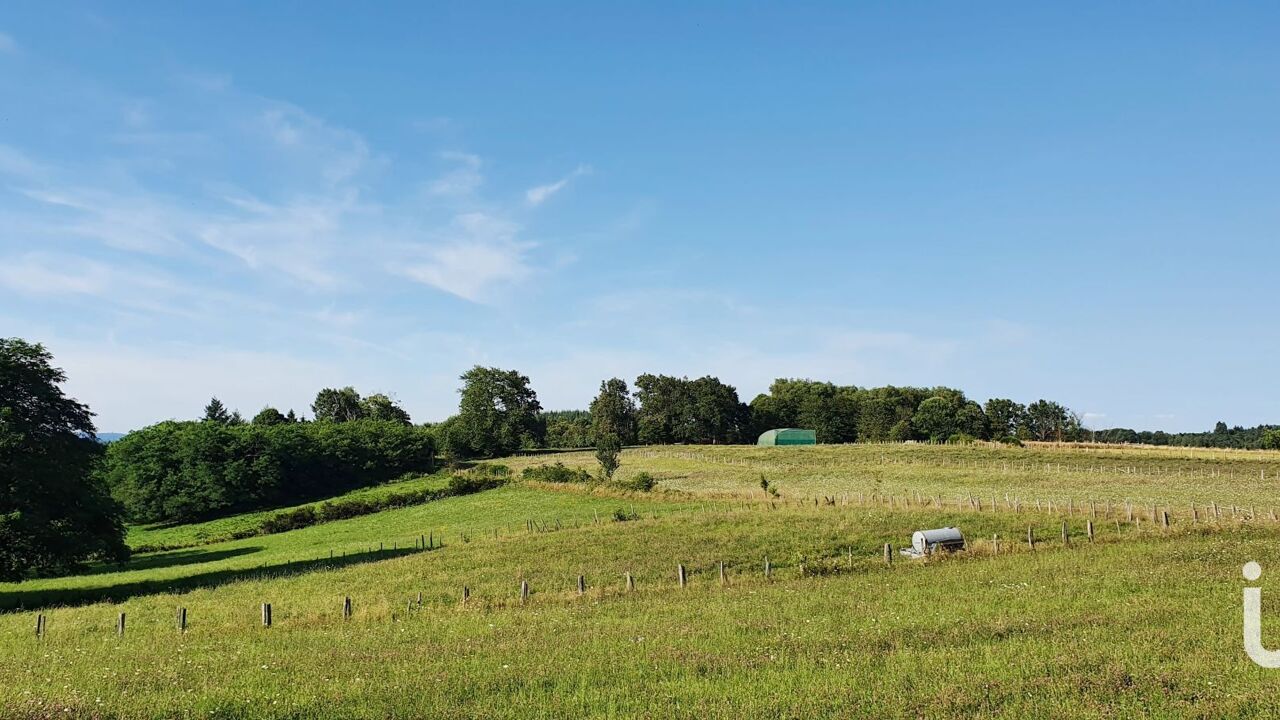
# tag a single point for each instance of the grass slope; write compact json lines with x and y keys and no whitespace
{"x":1141,"y":622}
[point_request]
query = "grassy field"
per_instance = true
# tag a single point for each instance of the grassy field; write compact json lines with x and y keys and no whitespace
{"x":1143,"y":621}
{"x":1175,"y":477}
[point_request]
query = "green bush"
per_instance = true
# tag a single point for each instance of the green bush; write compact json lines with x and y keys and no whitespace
{"x":621,"y":515}
{"x":291,"y":520}
{"x":1010,"y":440}
{"x":961,"y":439}
{"x":640,"y":482}
{"x":460,"y":483}
{"x":556,"y":473}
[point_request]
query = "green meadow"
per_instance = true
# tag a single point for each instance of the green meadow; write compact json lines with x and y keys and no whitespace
{"x":1142,"y":620}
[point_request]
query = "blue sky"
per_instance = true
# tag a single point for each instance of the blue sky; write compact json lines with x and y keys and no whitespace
{"x":256,"y":200}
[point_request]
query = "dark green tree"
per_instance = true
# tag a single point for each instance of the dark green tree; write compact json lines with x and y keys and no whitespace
{"x":269,"y":416}
{"x":338,"y":405}
{"x":498,"y":413}
{"x":1046,"y":420}
{"x":381,"y":407}
{"x":680,"y":410}
{"x":1004,"y":416}
{"x":613,"y":412}
{"x":935,"y":419}
{"x":216,"y":412}
{"x":54,"y":512}
{"x":568,"y":428}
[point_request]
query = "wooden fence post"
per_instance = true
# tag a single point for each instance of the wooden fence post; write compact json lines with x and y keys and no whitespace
{"x":346,"y":608}
{"x":1031,"y":538}
{"x":39,"y":625}
{"x":888,"y":554}
{"x":680,"y":575}
{"x":466,"y":594}
{"x":120,"y":624}
{"x":1065,"y":541}
{"x":266,"y":614}
{"x":995,"y":544}
{"x":582,"y":584}
{"x":1088,"y":527}
{"x":767,"y":569}
{"x":631,"y":583}
{"x":1164,"y":518}
{"x":182,"y":619}
{"x":419,"y":599}
{"x":723,"y":580}
{"x":524,"y":591}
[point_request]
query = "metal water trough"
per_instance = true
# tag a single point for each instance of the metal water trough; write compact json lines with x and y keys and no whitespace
{"x":927,"y":542}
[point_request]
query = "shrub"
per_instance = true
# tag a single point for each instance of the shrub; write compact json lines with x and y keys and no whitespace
{"x":556,"y":473}
{"x":961,"y":439}
{"x":291,"y":520}
{"x":1010,"y":440}
{"x":621,"y":515}
{"x":460,"y":483}
{"x":640,"y":482}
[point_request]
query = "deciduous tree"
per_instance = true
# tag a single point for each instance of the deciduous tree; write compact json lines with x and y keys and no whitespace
{"x":54,"y":512}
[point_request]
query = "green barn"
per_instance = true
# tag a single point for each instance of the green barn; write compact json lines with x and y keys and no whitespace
{"x":788,"y":436}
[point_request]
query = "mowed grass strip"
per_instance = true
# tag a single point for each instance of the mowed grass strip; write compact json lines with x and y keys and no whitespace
{"x":1144,"y":623}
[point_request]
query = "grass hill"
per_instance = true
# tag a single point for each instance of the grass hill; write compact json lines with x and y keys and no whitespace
{"x":1143,"y":620}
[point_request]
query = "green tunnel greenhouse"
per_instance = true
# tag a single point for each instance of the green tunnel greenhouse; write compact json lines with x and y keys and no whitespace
{"x":788,"y":436}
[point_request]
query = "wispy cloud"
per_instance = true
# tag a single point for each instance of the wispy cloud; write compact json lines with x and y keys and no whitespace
{"x":340,"y":153}
{"x":535,"y":196}
{"x":15,"y":163}
{"x":464,"y":179}
{"x":35,"y":274}
{"x":479,"y":255}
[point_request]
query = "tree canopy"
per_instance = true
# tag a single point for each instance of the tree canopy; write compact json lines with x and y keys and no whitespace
{"x":338,"y":405}
{"x":54,"y":513}
{"x":498,"y":413}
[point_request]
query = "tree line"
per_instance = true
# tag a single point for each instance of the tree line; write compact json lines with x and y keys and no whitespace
{"x":1261,"y":437}
{"x":663,"y":410}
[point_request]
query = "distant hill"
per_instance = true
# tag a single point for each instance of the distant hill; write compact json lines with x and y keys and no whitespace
{"x":109,"y":437}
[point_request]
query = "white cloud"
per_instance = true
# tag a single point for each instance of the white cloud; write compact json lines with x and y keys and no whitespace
{"x":35,"y":274}
{"x":480,"y":255}
{"x":535,"y":196}
{"x":461,"y":181}
{"x":340,"y":153}
{"x":298,"y":238}
{"x":139,"y":222}
{"x":16,"y":163}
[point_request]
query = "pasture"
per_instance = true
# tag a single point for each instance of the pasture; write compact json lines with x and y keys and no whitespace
{"x":1144,"y":620}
